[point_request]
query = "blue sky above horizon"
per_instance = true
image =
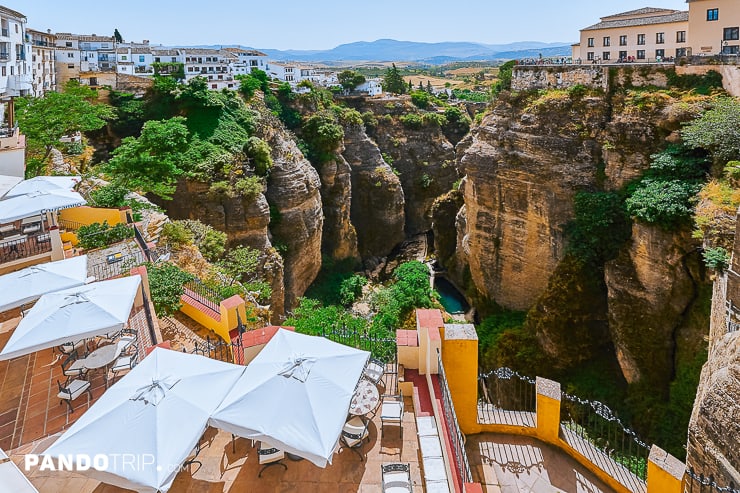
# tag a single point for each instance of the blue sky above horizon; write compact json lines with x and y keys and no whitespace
{"x":324,"y":24}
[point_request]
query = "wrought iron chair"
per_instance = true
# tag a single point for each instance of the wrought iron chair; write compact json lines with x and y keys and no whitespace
{"x":374,"y":370}
{"x":71,"y":346}
{"x":73,"y":366}
{"x":396,"y":478}
{"x":269,"y":456}
{"x":354,"y":433}
{"x":125,"y":363}
{"x":391,"y":412}
{"x":71,"y":391}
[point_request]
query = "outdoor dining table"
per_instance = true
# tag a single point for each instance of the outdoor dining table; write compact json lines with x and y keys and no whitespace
{"x":365,"y":399}
{"x":102,"y":357}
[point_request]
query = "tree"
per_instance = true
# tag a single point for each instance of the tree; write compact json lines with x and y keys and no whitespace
{"x":241,"y":265}
{"x":117,"y":36}
{"x":393,"y":82}
{"x":46,"y":120}
{"x":349,"y":79}
{"x":167,"y":285}
{"x":151,"y":162}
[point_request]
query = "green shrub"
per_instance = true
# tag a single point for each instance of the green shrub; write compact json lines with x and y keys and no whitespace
{"x":717,"y":130}
{"x":176,"y":235}
{"x":97,"y":235}
{"x":322,"y":135}
{"x":351,"y":288}
{"x":716,"y":258}
{"x":412,"y":121}
{"x":600,"y":227}
{"x":249,"y":187}
{"x":167,"y":285}
{"x":111,"y":196}
{"x":258,"y":151}
{"x":420,"y":99}
{"x":210,"y":242}
{"x":433,"y":119}
{"x":668,"y":203}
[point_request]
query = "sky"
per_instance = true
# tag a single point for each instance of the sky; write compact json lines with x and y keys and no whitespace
{"x":324,"y":24}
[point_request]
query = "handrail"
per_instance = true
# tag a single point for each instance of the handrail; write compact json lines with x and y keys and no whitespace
{"x":206,"y":295}
{"x":457,"y":438}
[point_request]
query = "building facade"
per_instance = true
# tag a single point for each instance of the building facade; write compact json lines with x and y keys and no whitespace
{"x":247,"y":60}
{"x":15,"y":55}
{"x":642,"y":35}
{"x":714,"y":27}
{"x":213,"y":65}
{"x":43,"y":61}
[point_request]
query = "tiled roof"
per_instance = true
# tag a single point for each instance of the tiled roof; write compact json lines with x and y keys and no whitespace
{"x":245,"y":52}
{"x":10,"y":12}
{"x":642,"y":11}
{"x":157,"y":52}
{"x":640,"y":21}
{"x":429,"y":318}
{"x":134,"y":51}
{"x":199,"y":51}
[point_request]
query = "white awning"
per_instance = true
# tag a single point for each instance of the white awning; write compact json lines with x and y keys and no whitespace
{"x":44,"y":184}
{"x":33,"y":204}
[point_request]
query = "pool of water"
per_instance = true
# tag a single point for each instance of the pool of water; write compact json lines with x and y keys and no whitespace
{"x":450,"y":297}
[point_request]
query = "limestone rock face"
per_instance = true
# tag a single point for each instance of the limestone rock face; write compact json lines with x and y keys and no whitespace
{"x":377,"y":196}
{"x":650,"y":286}
{"x":339,"y":237}
{"x":293,"y":189}
{"x":522,"y":172}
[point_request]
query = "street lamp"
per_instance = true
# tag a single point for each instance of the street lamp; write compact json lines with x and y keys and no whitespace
{"x":724,"y":50}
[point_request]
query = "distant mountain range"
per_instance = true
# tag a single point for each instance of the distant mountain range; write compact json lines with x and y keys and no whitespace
{"x":386,"y":50}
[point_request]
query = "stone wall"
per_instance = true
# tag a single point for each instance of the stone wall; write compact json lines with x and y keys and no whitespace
{"x":526,"y":78}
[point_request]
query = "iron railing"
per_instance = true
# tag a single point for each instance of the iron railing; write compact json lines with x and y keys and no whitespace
{"x":208,"y":297}
{"x":698,"y":483}
{"x":25,"y":247}
{"x":381,"y":348}
{"x":456,"y":436}
{"x":143,"y":245}
{"x":595,"y":431}
{"x":507,"y":397}
{"x":108,"y":270}
{"x":218,"y":349}
{"x":149,"y":319}
{"x":70,"y":225}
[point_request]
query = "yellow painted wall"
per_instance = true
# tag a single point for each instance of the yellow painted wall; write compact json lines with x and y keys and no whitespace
{"x":221,"y":327}
{"x":89,"y":215}
{"x":460,"y":359}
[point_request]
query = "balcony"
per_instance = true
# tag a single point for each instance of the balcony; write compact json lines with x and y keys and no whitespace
{"x":4,"y":57}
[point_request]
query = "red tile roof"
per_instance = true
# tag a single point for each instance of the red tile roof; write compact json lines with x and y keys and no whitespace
{"x":429,"y":318}
{"x":261,"y":336}
{"x":407,"y":338}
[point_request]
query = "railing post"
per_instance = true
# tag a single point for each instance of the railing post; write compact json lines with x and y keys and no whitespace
{"x":664,"y":472}
{"x":548,"y":410}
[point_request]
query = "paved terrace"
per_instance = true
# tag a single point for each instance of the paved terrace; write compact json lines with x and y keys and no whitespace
{"x":226,"y":471}
{"x":29,"y":407}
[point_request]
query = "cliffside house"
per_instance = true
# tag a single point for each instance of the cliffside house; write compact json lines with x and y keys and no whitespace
{"x":714,"y":27}
{"x":247,"y":60}
{"x":642,"y":35}
{"x":43,"y":70}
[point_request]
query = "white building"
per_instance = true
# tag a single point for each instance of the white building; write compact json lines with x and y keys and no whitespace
{"x":15,"y":55}
{"x":292,"y":73}
{"x":372,"y":87}
{"x":43,"y":69}
{"x":213,"y":65}
{"x":135,"y":60}
{"x":248,"y":60}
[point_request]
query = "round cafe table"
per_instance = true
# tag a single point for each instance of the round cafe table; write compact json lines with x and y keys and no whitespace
{"x":366,"y":398}
{"x":103,"y":356}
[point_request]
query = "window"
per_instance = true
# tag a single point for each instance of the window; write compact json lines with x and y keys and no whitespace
{"x":680,"y":52}
{"x":141,"y":59}
{"x":16,"y":28}
{"x":173,"y":59}
{"x":70,"y":55}
{"x":606,"y":55}
{"x":731,"y":33}
{"x":713,"y":14}
{"x":622,"y":55}
{"x":214,"y":86}
{"x":590,"y":55}
{"x":680,"y":36}
{"x":659,"y":53}
{"x":71,"y":65}
{"x":731,"y":50}
{"x":659,"y":38}
{"x":640,"y":39}
{"x":590,"y":42}
{"x":607,"y":41}
{"x":4,"y":72}
{"x":68,"y":44}
{"x":623,"y":40}
{"x":640,"y":54}
{"x":156,"y":59}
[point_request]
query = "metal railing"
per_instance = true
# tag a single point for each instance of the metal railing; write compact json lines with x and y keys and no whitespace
{"x":209,"y":297}
{"x":108,"y":270}
{"x":381,"y":348}
{"x":231,"y":352}
{"x":143,"y":245}
{"x":25,"y":247}
{"x":698,"y":483}
{"x":596,"y":432}
{"x":149,"y":318}
{"x":456,"y":436}
{"x":507,"y":397}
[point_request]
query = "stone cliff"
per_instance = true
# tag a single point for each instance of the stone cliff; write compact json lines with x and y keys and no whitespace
{"x":523,"y":166}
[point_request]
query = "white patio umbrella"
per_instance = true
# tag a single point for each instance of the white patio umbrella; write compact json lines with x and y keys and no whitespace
{"x":33,"y":204}
{"x":295,"y":395}
{"x":20,"y":287}
{"x":11,"y":477}
{"x":149,"y":421}
{"x":44,"y":184}
{"x":73,"y":314}
{"x":7,"y":183}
